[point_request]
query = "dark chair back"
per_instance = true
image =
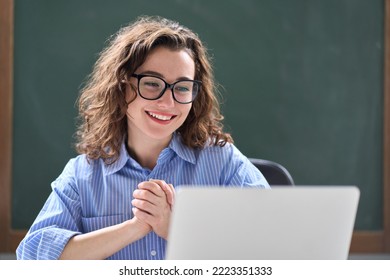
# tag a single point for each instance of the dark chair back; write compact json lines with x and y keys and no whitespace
{"x":275,"y":173}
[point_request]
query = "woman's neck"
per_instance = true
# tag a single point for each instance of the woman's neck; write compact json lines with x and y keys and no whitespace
{"x":146,"y":150}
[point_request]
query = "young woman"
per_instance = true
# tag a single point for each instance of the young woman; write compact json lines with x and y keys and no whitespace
{"x":149,"y":123}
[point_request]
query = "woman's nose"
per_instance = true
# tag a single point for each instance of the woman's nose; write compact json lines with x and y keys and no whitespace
{"x":166,"y":100}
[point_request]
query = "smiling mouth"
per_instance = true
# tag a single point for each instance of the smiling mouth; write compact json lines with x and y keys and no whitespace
{"x":161,"y":117}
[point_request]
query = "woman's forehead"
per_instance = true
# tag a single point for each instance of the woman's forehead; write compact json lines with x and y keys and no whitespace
{"x":169,"y":64}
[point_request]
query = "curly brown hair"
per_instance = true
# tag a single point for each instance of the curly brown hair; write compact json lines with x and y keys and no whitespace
{"x":102,"y":104}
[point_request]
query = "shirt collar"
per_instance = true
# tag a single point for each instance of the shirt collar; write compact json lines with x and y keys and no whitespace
{"x":109,"y":169}
{"x":176,"y":145}
{"x":184,"y":152}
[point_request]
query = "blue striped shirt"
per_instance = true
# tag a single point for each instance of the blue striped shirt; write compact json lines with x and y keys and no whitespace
{"x":90,"y":195}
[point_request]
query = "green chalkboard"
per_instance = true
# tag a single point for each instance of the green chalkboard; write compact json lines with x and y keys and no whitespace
{"x":302,"y":84}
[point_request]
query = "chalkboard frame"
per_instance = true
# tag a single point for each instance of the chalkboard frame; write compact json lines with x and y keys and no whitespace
{"x":362,"y":241}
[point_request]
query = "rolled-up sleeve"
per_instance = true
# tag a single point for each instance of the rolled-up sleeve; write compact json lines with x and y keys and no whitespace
{"x":56,"y":223}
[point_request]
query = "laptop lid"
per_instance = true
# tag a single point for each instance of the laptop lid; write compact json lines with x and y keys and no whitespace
{"x":301,"y":222}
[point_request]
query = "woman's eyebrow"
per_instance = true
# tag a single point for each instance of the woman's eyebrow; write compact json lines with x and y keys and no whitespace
{"x":157,"y":74}
{"x":152,"y":73}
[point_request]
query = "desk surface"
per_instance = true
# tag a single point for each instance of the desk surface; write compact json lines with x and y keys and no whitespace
{"x":355,"y":256}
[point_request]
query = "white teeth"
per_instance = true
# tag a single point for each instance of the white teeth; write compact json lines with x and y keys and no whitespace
{"x":160,"y":117}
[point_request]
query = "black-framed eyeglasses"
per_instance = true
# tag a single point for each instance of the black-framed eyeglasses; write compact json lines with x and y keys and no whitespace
{"x":151,"y":88}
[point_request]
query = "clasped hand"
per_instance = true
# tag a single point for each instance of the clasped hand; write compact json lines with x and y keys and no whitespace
{"x":152,"y":205}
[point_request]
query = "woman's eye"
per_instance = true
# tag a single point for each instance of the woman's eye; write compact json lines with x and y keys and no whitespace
{"x":151,"y":84}
{"x":182,"y":89}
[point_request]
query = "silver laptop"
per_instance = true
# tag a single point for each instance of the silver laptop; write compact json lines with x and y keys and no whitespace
{"x":285,"y":223}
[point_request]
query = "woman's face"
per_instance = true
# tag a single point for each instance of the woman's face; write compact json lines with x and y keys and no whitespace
{"x":158,"y":119}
